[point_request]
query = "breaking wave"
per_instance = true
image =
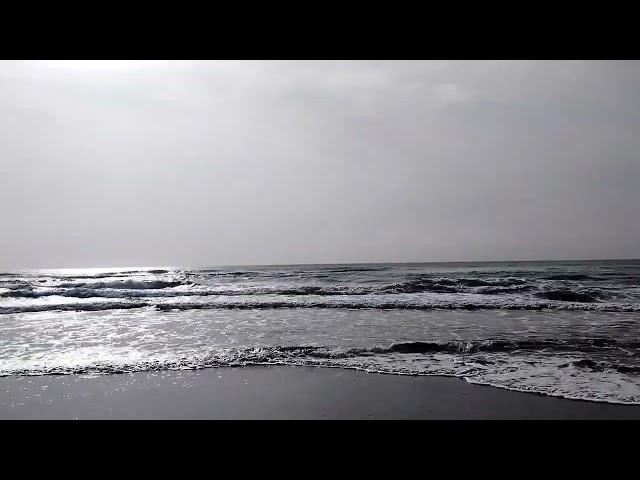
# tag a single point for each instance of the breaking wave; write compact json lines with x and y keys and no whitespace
{"x":282,"y":354}
{"x":471,"y":361}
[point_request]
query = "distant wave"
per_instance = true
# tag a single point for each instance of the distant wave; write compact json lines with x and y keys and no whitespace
{"x":231,"y":273}
{"x":101,"y":293}
{"x":16,"y":285}
{"x":88,"y":276}
{"x":373,"y":303}
{"x":164,"y":288}
{"x":516,"y":289}
{"x":436,"y":285}
{"x":504,"y":290}
{"x":78,"y":307}
{"x":83,"y":276}
{"x":350,"y":269}
{"x":571,"y":276}
{"x":124,"y":284}
{"x":453,"y":285}
{"x":567,"y":296}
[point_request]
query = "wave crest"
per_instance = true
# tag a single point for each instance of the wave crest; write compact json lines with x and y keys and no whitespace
{"x":125,"y":284}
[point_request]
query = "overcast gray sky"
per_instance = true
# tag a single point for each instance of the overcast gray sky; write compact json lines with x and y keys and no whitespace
{"x":214,"y":163}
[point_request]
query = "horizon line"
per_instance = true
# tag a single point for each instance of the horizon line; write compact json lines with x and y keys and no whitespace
{"x":336,"y":263}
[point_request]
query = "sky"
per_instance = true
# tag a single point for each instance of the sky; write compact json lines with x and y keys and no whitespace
{"x":204,"y":163}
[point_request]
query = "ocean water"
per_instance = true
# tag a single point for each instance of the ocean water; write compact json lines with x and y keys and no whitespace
{"x":569,"y":329}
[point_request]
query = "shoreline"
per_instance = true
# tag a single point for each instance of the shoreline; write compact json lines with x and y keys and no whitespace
{"x":283,"y":392}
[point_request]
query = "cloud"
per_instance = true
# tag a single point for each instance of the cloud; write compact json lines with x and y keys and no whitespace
{"x":317,"y":161}
{"x":446,"y":93}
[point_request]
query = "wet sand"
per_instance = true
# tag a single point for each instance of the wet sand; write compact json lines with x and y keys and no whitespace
{"x":281,"y":393}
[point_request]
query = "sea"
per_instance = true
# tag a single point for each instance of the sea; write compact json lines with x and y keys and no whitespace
{"x":564,"y":328}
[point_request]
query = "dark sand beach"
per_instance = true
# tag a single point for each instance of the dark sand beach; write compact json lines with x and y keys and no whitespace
{"x":274,"y":392}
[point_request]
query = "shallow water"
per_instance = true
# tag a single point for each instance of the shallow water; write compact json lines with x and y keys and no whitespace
{"x":561,"y":328}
